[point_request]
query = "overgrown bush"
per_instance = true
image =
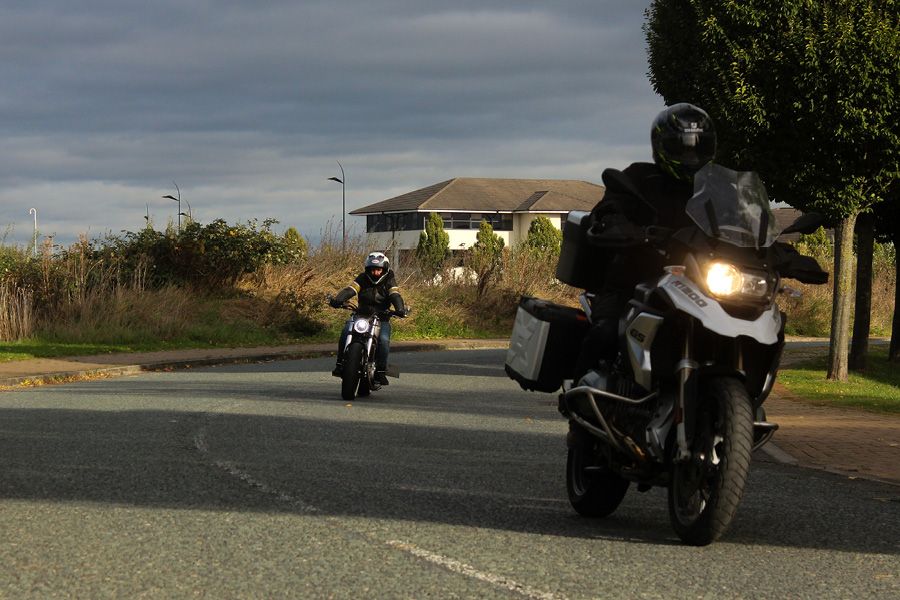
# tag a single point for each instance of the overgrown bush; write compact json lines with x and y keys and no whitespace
{"x":810,"y":314}
{"x":243,"y":284}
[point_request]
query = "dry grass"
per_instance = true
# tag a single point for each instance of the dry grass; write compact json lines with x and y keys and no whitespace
{"x":83,"y":301}
{"x":16,"y":320}
{"x":123,"y":314}
{"x":810,"y":315}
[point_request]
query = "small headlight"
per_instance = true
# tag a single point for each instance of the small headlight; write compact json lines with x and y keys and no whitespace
{"x":361,"y":326}
{"x":723,"y":279}
{"x":754,"y":285}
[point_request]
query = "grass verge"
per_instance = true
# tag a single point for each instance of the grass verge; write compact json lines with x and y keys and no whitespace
{"x":877,"y":390}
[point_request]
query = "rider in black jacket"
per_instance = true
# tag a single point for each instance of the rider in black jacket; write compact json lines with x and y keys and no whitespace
{"x":377,"y":289}
{"x":644,"y":195}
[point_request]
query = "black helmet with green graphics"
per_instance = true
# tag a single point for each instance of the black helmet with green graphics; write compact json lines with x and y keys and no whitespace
{"x":683,"y":139}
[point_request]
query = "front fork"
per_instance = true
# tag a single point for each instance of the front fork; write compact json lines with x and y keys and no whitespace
{"x":687,"y":394}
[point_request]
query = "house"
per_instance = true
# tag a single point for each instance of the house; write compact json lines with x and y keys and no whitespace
{"x":783,"y":217}
{"x":509,"y":205}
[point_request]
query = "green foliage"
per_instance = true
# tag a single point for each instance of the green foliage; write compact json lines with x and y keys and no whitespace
{"x":543,"y":238}
{"x":802,"y":91}
{"x":818,"y":245}
{"x":434,"y":245}
{"x":214,"y":255}
{"x":486,"y":255}
{"x":294,"y":246}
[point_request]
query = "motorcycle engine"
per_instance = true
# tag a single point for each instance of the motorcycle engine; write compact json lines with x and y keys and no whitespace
{"x":628,"y":419}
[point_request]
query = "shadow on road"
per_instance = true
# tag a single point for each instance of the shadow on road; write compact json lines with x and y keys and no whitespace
{"x":471,"y":363}
{"x":505,"y":480}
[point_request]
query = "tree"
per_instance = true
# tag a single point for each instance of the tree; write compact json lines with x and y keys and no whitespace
{"x":887,"y":230}
{"x":543,"y":238}
{"x":434,"y":245}
{"x":862,"y":305}
{"x":803,"y":91}
{"x":486,"y":255}
{"x":295,"y":246}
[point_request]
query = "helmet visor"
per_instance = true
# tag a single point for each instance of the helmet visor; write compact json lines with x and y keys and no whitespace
{"x":694,"y":148}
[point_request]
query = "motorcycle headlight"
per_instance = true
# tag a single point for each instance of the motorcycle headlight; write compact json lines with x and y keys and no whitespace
{"x":724,"y":280}
{"x":361,"y":326}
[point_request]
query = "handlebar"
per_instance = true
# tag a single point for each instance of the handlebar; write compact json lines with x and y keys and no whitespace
{"x":381,"y":313}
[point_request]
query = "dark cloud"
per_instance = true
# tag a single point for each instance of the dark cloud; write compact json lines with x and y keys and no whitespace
{"x":247,"y":105}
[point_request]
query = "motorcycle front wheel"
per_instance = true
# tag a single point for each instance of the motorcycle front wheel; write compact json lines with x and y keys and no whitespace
{"x":594,"y":490}
{"x":706,"y":489}
{"x":352,"y":371}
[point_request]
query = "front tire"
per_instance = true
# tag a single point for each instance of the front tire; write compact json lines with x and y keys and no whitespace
{"x":594,"y":490}
{"x":705,"y":490}
{"x":350,"y":380}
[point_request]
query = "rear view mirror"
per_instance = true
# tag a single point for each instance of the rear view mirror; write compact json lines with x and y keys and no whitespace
{"x":807,"y":223}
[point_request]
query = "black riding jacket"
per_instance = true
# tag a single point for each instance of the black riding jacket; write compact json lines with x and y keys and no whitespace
{"x":374,"y":296}
{"x":640,"y":196}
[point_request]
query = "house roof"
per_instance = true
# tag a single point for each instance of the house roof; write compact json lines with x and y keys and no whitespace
{"x":482,"y":195}
{"x":783,"y":218}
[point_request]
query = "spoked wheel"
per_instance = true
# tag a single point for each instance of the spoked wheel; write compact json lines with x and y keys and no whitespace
{"x":706,"y":489}
{"x":594,"y":490}
{"x":350,"y":380}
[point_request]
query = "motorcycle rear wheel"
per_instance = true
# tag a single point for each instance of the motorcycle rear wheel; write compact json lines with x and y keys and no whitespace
{"x":594,"y":490}
{"x":352,"y":371}
{"x":705,"y":490}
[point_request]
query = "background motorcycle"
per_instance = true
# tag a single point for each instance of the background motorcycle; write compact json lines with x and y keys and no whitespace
{"x":697,"y":355}
{"x":360,"y":350}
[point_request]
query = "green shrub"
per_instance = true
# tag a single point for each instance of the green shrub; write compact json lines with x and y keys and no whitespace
{"x":543,"y":238}
{"x":434,"y":245}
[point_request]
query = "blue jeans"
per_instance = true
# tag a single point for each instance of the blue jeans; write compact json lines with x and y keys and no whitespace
{"x":384,"y":344}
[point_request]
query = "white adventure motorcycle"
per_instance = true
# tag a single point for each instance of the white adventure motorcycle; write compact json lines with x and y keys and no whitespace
{"x":681,"y":406}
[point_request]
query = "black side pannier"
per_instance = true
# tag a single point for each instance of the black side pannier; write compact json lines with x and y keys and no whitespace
{"x":545,"y":343}
{"x":581,"y":264}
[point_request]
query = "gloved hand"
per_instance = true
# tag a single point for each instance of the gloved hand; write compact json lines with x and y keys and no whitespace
{"x":403,"y":313}
{"x":335,"y":303}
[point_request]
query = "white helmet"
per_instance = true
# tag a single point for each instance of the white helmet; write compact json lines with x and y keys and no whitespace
{"x":377,"y":260}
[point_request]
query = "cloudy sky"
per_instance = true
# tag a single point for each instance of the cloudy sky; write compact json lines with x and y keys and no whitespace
{"x":248,"y":104}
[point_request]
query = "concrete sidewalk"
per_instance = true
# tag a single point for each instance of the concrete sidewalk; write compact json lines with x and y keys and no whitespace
{"x":853,"y":443}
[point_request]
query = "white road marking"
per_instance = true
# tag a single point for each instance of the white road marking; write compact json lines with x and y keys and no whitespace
{"x":446,"y":562}
{"x":470,"y":571}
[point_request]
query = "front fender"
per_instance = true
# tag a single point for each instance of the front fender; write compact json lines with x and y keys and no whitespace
{"x":686,"y":297}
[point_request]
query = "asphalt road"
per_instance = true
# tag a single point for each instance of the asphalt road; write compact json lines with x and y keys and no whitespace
{"x":259,"y":481}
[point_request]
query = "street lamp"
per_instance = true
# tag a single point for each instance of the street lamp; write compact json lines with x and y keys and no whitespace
{"x":178,"y":200}
{"x":343,"y":206}
{"x":33,"y":211}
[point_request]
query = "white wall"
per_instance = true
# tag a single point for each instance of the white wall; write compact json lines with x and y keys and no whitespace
{"x":522,"y":221}
{"x":459,"y":238}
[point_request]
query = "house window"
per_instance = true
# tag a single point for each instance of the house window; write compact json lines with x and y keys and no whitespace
{"x":415,"y":221}
{"x":407,"y":221}
{"x":500,"y":222}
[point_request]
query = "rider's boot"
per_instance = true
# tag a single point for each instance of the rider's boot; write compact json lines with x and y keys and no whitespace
{"x":381,"y":378}
{"x":338,"y":369}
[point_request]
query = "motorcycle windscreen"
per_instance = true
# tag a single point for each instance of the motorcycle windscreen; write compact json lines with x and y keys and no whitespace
{"x":732,"y":206}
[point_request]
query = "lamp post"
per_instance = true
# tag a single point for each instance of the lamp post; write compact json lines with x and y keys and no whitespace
{"x":33,"y":211}
{"x":178,"y":200}
{"x":343,"y":206}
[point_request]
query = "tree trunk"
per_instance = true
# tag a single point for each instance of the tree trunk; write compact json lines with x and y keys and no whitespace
{"x":840,"y":311}
{"x":862,"y":312}
{"x":894,"y":351}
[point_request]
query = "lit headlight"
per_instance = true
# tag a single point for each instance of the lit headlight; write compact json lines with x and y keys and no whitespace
{"x":723,"y":279}
{"x":726,"y":280}
{"x":361,"y":326}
